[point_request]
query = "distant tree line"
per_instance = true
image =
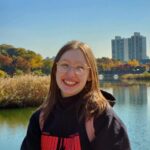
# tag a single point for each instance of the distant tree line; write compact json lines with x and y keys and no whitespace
{"x":105,"y":63}
{"x":112,"y":65}
{"x":21,"y":61}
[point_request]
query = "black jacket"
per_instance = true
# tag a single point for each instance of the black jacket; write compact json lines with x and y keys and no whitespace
{"x":62,"y":131}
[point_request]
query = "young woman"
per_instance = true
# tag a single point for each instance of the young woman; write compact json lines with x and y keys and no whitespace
{"x":76,"y":115}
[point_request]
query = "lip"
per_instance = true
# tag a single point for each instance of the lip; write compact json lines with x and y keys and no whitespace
{"x":70,"y":83}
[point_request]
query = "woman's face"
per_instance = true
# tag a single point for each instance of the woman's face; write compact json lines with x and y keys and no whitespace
{"x":72,"y":72}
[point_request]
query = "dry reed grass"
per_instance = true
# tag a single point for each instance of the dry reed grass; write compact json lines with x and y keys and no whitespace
{"x":22,"y":91}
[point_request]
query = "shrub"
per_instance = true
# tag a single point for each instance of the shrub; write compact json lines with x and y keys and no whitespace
{"x":3,"y":74}
{"x":19,"y":72}
{"x":38,"y":72}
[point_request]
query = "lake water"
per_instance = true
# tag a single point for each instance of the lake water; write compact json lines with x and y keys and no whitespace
{"x":132,"y":105}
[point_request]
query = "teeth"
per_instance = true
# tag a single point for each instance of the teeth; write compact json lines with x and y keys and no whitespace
{"x":69,"y":82}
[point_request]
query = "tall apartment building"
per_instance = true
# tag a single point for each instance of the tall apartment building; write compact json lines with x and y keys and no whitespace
{"x":129,"y":48}
{"x":120,"y":49}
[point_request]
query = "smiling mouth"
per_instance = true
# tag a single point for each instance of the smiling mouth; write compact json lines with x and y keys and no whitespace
{"x":69,"y":83}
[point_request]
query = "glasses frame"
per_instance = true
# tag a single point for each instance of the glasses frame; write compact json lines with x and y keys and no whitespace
{"x":75,"y":69}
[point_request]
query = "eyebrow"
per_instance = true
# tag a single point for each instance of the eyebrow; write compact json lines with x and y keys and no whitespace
{"x":78,"y":62}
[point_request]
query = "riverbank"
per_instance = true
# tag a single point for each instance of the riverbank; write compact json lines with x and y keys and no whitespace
{"x":143,"y":76}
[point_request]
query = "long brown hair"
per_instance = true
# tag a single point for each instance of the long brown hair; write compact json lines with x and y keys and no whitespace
{"x":95,"y":103}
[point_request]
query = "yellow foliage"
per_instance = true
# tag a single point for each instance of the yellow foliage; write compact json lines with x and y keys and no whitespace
{"x":36,"y":62}
{"x":133,"y":63}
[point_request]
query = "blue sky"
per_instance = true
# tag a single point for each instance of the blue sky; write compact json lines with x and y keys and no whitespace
{"x":44,"y":26}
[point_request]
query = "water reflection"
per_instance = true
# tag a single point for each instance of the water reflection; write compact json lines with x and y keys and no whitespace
{"x":13,"y":124}
{"x":130,"y":93}
{"x":15,"y":117}
{"x":133,"y":95}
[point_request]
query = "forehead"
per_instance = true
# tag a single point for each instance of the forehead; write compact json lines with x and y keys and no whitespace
{"x":73,"y":55}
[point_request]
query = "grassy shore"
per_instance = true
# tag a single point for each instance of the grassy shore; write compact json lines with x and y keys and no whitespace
{"x":22,"y":91}
{"x":144,"y":76}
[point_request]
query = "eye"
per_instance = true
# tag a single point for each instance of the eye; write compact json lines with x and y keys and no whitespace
{"x":80,"y":68}
{"x":64,"y":65}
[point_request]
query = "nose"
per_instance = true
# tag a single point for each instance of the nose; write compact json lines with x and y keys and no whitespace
{"x":71,"y":71}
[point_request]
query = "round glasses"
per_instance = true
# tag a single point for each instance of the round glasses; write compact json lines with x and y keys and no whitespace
{"x":78,"y":69}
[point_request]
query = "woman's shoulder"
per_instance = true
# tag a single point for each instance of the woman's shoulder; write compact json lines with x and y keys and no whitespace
{"x":113,"y":117}
{"x":109,"y":97}
{"x":108,"y":120}
{"x":35,"y":115}
{"x":110,"y":132}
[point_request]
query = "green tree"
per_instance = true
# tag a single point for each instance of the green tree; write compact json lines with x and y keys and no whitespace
{"x":47,"y":65}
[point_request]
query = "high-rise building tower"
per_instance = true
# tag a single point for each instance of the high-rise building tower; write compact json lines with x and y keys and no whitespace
{"x":137,"y":47}
{"x":120,"y":48}
{"x":129,"y":48}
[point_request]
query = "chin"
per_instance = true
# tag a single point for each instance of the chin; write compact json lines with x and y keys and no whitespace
{"x":69,"y":94}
